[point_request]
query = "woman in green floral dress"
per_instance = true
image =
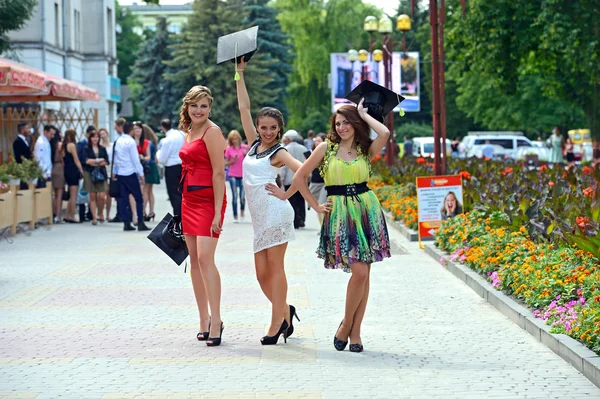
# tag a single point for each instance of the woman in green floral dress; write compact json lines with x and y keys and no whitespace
{"x":354,"y":233}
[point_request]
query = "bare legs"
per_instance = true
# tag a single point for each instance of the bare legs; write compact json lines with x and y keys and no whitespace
{"x":207,"y":288}
{"x":58,"y":194}
{"x":70,"y":214}
{"x":145,"y":189}
{"x":198,"y":284}
{"x":108,"y":204}
{"x":150,"y":197}
{"x":357,"y":295}
{"x":270,"y":273}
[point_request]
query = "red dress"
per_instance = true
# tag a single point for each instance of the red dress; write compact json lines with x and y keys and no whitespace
{"x":198,"y":199}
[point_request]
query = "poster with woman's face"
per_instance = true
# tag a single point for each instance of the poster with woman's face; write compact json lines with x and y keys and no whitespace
{"x":439,"y":198}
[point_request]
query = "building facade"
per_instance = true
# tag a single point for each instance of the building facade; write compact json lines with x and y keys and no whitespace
{"x":176,"y":15}
{"x":75,"y":40}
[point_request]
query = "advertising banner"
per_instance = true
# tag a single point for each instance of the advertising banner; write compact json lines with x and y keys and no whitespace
{"x":346,"y":75}
{"x":439,"y":198}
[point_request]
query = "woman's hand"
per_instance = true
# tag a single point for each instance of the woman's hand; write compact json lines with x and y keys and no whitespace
{"x":242,"y":64}
{"x":275,"y":191}
{"x":362,"y":111}
{"x":215,"y":227}
{"x":325,"y":208}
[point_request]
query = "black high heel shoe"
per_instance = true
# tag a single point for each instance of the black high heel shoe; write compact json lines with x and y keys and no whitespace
{"x":338,"y":343}
{"x":203,"y":336}
{"x":272,"y":340}
{"x":215,"y":341}
{"x":356,"y":348}
{"x":293,"y":313}
{"x":149,"y":217}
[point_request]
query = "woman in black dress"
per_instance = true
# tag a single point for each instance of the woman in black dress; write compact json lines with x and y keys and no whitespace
{"x":73,"y":172}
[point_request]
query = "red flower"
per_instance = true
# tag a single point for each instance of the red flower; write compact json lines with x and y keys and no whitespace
{"x":421,"y":160}
{"x":465,"y":175}
{"x":587,"y":170}
{"x":581,"y":221}
{"x":588,"y":192}
{"x":543,"y":167}
{"x":551,"y":183}
{"x":376,"y":158}
{"x":507,"y":171}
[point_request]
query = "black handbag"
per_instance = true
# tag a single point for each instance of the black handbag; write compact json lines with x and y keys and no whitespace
{"x":168,"y":236}
{"x":98,"y":174}
{"x":114,"y":189}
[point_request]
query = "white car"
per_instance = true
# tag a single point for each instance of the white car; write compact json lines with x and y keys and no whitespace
{"x":423,"y":147}
{"x":509,"y":142}
{"x":543,"y":153}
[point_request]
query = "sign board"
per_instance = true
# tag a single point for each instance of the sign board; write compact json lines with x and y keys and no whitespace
{"x":114,"y":88}
{"x":439,"y":198}
{"x":346,"y":75}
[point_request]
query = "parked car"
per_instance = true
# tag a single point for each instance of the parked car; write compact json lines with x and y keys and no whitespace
{"x":423,"y":147}
{"x":509,"y":141}
{"x":542,"y":153}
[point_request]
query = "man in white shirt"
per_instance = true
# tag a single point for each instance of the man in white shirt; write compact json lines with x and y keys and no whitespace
{"x":169,"y":156}
{"x":42,"y":153}
{"x":119,"y":129}
{"x":128,"y":170}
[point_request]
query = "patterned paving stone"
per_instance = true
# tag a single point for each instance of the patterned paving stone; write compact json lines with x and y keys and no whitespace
{"x":93,"y":312}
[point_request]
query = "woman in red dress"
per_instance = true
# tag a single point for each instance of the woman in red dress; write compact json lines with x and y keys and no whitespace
{"x":203,"y":205}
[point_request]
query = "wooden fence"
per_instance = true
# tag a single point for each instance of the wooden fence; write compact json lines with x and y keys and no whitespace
{"x":64,"y":118}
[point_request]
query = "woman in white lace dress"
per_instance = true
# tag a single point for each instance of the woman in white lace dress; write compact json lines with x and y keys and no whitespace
{"x":272,"y":218}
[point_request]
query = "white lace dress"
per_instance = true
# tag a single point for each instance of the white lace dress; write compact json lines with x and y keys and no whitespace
{"x":272,"y":218}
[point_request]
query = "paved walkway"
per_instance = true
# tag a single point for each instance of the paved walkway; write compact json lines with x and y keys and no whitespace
{"x":94,"y":312}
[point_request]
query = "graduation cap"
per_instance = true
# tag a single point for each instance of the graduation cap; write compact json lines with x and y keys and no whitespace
{"x":168,"y":237}
{"x":236,"y":45}
{"x":378,"y":100}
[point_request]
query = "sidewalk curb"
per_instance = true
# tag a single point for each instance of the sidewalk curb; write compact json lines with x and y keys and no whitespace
{"x":410,"y":235}
{"x":576,"y":354}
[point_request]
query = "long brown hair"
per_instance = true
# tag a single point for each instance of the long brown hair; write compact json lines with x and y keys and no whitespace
{"x":362,"y":136}
{"x":149,"y":134}
{"x":195,"y":94}
{"x":70,"y":137}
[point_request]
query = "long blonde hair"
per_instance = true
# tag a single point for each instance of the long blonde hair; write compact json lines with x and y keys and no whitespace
{"x":195,"y":94}
{"x":234,"y":134}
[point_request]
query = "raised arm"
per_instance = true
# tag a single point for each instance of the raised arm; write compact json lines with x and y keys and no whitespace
{"x":244,"y":105}
{"x":383,"y":133}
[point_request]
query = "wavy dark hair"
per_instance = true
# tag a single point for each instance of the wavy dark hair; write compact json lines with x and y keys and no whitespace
{"x":362,"y":136}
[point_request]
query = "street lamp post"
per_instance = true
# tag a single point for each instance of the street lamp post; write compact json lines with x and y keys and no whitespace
{"x":385,"y":28}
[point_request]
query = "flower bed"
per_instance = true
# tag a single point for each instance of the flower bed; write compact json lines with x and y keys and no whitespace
{"x":534,"y":234}
{"x":560,"y":282}
{"x":398,"y":199}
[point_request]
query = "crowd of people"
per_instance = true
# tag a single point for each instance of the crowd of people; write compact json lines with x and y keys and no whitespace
{"x":80,"y":171}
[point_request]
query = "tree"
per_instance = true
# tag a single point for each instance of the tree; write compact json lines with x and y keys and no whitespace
{"x":316,"y":29}
{"x":128,"y":41}
{"x":13,"y":15}
{"x":193,"y":62}
{"x":540,"y":59}
{"x":275,"y":45}
{"x":153,"y":94}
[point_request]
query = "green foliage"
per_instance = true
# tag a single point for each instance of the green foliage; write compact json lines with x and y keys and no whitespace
{"x":13,"y":14}
{"x":194,"y":62}
{"x":274,"y":44}
{"x":413,"y":129}
{"x":154,"y":95}
{"x":128,"y":41}
{"x":316,"y":29}
{"x":527,"y":63}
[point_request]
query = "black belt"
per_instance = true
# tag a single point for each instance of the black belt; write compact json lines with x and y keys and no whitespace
{"x":348,"y":190}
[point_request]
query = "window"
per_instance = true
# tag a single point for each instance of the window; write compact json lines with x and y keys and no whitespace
{"x":176,"y":29}
{"x":523,"y":143}
{"x":77,"y":30}
{"x":505,"y":143}
{"x":56,"y":25}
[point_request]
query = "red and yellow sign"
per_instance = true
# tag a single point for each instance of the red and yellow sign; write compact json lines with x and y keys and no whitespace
{"x":439,"y":198}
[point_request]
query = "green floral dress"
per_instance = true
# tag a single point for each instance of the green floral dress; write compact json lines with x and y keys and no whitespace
{"x":355,"y":229}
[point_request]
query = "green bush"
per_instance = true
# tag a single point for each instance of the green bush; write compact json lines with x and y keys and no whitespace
{"x":413,"y":129}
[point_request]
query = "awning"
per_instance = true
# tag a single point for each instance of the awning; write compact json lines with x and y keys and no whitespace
{"x":20,"y":82}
